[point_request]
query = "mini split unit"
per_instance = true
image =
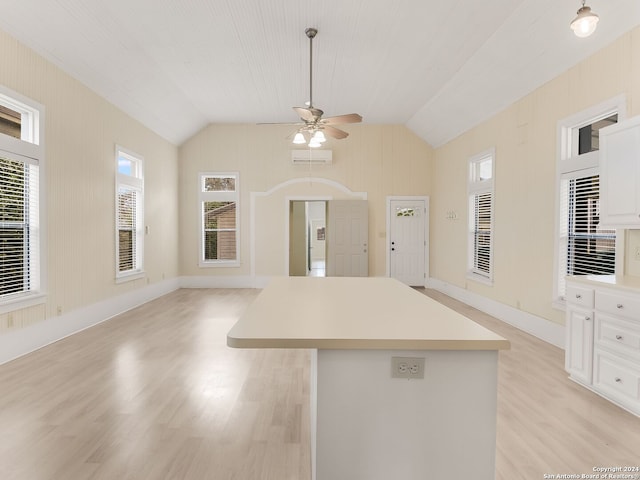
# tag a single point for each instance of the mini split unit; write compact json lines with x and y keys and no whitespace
{"x":307,"y":156}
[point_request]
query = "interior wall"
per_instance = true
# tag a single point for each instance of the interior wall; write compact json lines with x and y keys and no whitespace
{"x":525,"y":138}
{"x":317,"y":216}
{"x":297,"y":239}
{"x":380,"y":160}
{"x":81,"y":131}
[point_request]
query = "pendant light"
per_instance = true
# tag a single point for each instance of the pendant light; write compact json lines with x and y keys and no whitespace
{"x":299,"y":139}
{"x":319,"y":136}
{"x":585,"y":23}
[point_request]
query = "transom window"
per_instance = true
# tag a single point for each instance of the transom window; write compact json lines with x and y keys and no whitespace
{"x":219,"y":219}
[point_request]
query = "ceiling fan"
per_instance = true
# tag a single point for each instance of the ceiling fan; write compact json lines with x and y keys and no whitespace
{"x":314,"y":128}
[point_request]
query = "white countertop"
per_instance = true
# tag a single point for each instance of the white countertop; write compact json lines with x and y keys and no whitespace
{"x":355,"y":313}
{"x":621,"y":282}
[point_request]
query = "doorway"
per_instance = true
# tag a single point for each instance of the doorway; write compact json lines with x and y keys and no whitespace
{"x":328,"y":238}
{"x":407,"y":239}
{"x":307,"y":238}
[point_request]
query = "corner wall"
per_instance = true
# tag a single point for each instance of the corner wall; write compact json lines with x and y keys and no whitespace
{"x":81,"y":131}
{"x":525,"y":138}
{"x":379,"y":160}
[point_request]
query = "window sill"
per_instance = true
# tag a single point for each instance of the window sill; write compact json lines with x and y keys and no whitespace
{"x":480,"y":279}
{"x":130,"y":277}
{"x":22,"y":301}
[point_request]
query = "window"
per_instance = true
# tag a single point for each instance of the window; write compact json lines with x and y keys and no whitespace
{"x":21,"y":235}
{"x":219,"y":219}
{"x":480,"y":242}
{"x":129,"y":215}
{"x":583,"y":246}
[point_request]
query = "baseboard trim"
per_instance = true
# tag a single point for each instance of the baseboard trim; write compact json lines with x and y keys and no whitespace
{"x":537,"y":326}
{"x":14,"y":344}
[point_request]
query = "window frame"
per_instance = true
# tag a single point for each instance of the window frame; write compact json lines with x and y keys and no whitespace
{"x":476,"y":187}
{"x":571,"y":165}
{"x":203,"y":197}
{"x":135,"y":183}
{"x":29,"y":150}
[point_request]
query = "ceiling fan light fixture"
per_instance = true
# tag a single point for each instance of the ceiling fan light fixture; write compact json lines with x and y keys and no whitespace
{"x":313,"y":143}
{"x":312,"y":126}
{"x":319,"y":136}
{"x":299,"y":139}
{"x":585,"y":23}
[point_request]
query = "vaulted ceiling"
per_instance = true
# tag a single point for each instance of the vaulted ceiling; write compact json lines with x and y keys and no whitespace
{"x":438,"y":66}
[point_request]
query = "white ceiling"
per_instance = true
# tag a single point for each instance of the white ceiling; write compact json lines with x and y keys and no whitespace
{"x":438,"y":66}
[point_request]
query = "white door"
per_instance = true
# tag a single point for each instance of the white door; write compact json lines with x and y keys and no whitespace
{"x":407,"y":242}
{"x":347,"y":238}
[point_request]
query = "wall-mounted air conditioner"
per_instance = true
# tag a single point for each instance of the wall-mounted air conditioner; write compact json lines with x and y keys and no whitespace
{"x":307,"y":156}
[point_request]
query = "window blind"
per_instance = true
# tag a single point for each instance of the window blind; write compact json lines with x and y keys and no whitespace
{"x":482,"y":203}
{"x":127,"y":223}
{"x":19,"y":230}
{"x":587,"y":248}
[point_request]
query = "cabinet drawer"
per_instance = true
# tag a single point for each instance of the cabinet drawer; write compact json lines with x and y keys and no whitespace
{"x":618,"y":377}
{"x":618,"y":304}
{"x":618,"y":335}
{"x":580,"y":296}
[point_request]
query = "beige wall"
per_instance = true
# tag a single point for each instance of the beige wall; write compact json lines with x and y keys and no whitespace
{"x":525,"y":138}
{"x":380,"y":160}
{"x":81,"y":130}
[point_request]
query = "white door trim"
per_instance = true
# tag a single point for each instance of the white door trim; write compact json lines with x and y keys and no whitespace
{"x":287,"y":220}
{"x":410,"y":198}
{"x":253,"y":196}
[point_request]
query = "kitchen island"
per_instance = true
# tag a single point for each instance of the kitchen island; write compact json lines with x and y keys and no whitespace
{"x":365,"y":424}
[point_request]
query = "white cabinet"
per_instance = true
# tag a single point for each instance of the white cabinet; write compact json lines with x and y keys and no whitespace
{"x":579,"y":338}
{"x":620,"y":174}
{"x":603,"y":340}
{"x":579,"y":347}
{"x":616,"y":368}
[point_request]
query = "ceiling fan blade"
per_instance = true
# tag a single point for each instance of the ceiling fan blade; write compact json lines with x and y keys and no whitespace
{"x":308,"y":114}
{"x":337,"y":120}
{"x":334,"y":132}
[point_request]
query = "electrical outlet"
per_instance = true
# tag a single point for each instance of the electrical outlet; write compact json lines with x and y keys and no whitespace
{"x":407,"y":367}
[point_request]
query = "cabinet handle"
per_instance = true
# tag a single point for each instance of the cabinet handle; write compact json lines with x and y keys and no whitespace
{"x":618,"y":337}
{"x":620,"y":305}
{"x":587,"y":318}
{"x":618,"y":380}
{"x":578,"y":296}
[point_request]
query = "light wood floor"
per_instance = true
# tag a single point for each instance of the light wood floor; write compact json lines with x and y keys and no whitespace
{"x":156,"y":394}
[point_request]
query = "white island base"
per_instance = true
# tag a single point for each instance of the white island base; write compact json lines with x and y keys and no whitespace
{"x":366,"y":425}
